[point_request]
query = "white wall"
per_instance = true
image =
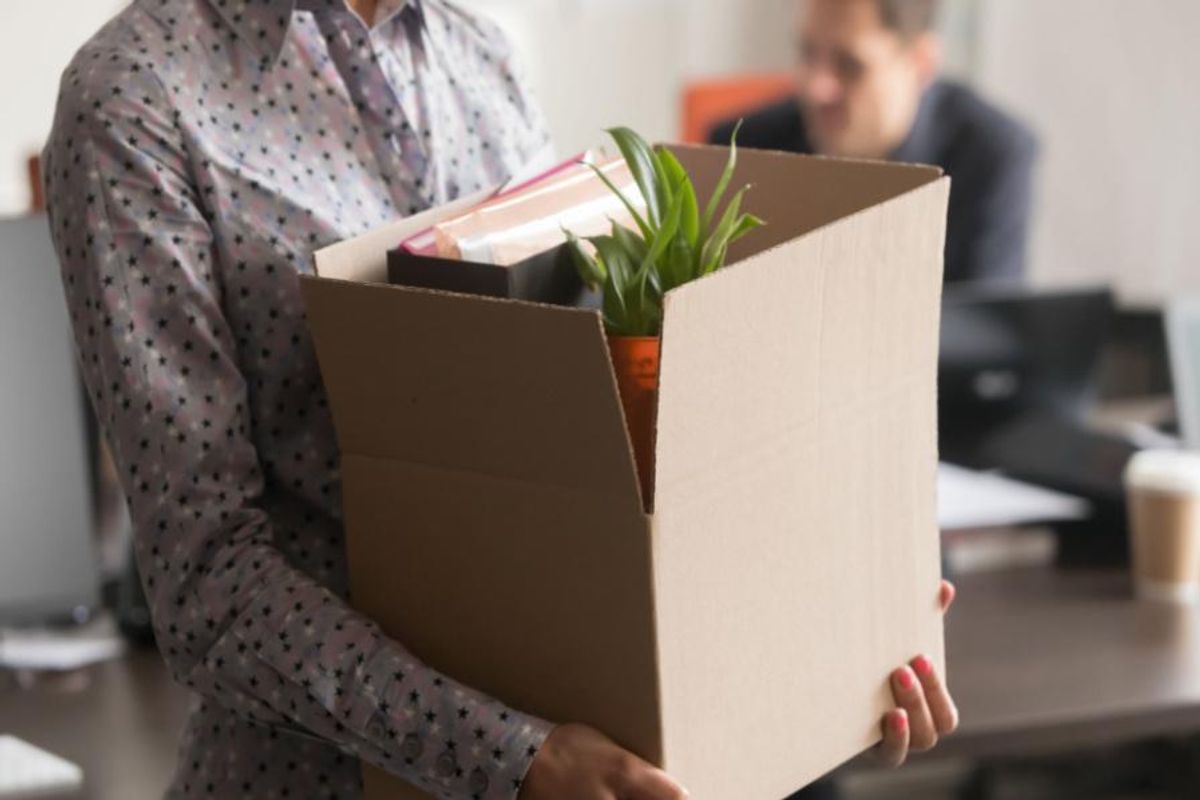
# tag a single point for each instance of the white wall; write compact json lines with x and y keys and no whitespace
{"x":1107,"y":83}
{"x":596,"y":63}
{"x":1111,"y":85}
{"x":37,"y":40}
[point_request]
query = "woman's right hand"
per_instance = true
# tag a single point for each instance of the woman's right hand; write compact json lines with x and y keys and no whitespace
{"x":583,"y":764}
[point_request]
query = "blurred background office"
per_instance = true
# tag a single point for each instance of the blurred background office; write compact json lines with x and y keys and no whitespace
{"x":1048,"y":391}
{"x":1105,"y":84}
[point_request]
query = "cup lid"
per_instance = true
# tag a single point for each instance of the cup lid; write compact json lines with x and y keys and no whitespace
{"x":1165,"y":470}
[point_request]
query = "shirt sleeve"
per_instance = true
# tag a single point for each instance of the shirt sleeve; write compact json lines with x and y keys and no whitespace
{"x":236,"y":621}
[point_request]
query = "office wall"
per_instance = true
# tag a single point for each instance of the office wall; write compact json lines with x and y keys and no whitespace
{"x":626,"y":60}
{"x":37,"y":40}
{"x":1111,"y":87}
{"x":600,"y":62}
{"x":596,"y":63}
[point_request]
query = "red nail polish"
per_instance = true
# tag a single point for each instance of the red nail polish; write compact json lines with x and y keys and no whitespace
{"x":907,"y":682}
{"x":900,"y":723}
{"x":923,"y":666}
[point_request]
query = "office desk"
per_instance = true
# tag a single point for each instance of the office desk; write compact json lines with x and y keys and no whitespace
{"x":1040,"y":662}
{"x":121,"y":728}
{"x":1043,"y":661}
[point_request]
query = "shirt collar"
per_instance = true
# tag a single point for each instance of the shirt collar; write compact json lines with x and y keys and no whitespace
{"x":265,"y":23}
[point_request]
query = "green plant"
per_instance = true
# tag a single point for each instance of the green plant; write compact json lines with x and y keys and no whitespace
{"x":675,"y":241}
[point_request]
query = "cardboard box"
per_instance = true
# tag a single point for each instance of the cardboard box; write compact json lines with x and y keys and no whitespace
{"x":742,"y":635}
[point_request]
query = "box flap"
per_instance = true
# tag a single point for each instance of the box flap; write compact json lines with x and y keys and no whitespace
{"x":799,"y":194}
{"x":506,"y":389}
{"x":535,"y":595}
{"x":796,"y":538}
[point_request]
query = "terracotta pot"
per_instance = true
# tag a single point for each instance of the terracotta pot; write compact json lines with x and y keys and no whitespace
{"x":636,"y":360}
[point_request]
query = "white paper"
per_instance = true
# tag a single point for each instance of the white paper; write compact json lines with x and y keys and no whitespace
{"x":997,"y":549}
{"x":26,"y":771}
{"x":968,"y":499}
{"x":40,"y":650}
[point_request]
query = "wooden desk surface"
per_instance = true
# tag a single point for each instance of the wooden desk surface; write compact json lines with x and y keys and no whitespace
{"x":122,"y":728}
{"x":1040,"y":661}
{"x":1043,"y":661}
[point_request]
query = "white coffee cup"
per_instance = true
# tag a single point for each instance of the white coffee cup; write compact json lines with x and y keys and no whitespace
{"x":1163,"y":489}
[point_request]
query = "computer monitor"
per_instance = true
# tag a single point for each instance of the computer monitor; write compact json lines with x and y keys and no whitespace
{"x":48,"y":564}
{"x":1011,"y":354}
{"x":1183,"y":341}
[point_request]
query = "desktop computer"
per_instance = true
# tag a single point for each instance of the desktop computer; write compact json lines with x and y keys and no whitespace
{"x":48,"y":561}
{"x":1017,"y":383}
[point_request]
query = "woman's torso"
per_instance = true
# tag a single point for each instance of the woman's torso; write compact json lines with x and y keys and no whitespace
{"x":303,"y":128}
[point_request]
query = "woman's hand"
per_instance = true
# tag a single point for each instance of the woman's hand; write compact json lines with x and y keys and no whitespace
{"x":584,"y":764}
{"x":925,"y":711}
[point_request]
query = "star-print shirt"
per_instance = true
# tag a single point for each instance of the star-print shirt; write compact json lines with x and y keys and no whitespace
{"x":202,"y":149}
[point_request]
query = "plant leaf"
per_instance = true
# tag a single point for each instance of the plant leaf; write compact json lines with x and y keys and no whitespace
{"x":673,"y":243}
{"x":662,"y":238}
{"x":638,"y":219}
{"x":619,"y":273}
{"x":718,"y":242}
{"x":590,"y":270}
{"x":745,"y":225}
{"x":714,"y":202}
{"x":640,"y":159}
{"x":633,"y":244}
{"x":690,"y":221}
{"x":679,"y":264}
{"x":663,"y":181}
{"x":719,"y":259}
{"x":617,"y":264}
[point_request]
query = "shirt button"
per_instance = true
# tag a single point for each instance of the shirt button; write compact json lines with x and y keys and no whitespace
{"x":412,"y":747}
{"x":375,"y":728}
{"x":479,"y":781}
{"x":446,"y":765}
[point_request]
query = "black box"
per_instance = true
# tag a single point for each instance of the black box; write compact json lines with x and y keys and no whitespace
{"x":549,"y":277}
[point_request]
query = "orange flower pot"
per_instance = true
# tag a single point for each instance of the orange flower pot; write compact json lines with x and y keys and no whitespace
{"x":636,"y":361}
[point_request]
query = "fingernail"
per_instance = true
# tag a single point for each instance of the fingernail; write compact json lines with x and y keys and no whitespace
{"x":923,"y":666}
{"x":906,"y":680}
{"x":900,"y":723}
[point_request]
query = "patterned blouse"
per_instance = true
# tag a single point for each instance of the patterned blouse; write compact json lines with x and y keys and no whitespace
{"x":202,"y":149}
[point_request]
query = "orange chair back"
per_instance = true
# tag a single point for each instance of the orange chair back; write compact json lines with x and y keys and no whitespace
{"x":710,"y":102}
{"x":37,"y":200}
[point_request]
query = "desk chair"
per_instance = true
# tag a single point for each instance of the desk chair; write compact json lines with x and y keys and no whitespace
{"x":37,"y":196}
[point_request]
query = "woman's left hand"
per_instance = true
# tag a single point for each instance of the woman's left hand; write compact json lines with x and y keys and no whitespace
{"x":924,"y":709}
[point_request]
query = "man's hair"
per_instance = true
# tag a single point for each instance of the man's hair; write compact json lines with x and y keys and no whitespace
{"x":909,"y":18}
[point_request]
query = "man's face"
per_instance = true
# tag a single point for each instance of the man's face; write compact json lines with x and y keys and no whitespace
{"x":860,"y":83}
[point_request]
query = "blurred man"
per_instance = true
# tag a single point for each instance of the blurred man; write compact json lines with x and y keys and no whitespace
{"x":868,"y":88}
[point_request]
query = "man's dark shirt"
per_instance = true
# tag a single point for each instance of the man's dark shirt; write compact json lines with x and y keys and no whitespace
{"x":989,"y":156}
